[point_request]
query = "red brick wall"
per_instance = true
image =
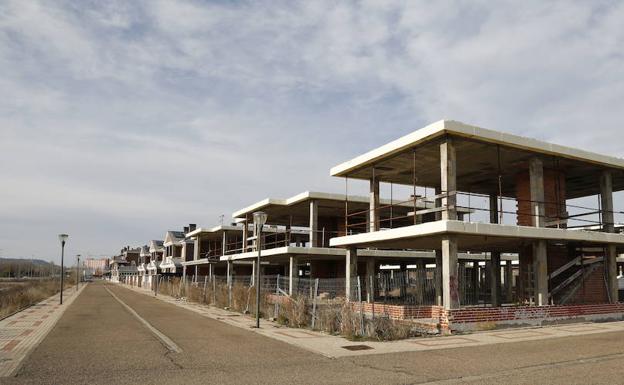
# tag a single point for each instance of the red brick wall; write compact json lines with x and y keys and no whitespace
{"x":553,"y":192}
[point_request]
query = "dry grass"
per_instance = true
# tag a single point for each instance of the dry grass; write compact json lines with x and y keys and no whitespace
{"x":335,"y":317}
{"x":27,"y":294}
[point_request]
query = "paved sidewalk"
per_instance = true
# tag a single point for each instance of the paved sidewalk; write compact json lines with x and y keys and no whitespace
{"x":335,"y":346}
{"x":23,"y":331}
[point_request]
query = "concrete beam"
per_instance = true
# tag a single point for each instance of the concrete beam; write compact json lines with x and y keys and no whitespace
{"x":540,"y":262}
{"x":536,"y":180}
{"x":314,"y":233}
{"x":351,"y":270}
{"x":448,"y":179}
{"x":450,"y":279}
{"x":373,"y":213}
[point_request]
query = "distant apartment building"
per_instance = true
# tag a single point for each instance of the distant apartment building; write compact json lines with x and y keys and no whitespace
{"x":96,"y":267}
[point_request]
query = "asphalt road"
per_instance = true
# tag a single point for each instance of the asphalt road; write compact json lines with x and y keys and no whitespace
{"x":98,"y":341}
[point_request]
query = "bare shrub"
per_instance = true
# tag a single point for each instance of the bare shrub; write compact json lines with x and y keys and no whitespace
{"x":386,"y":329}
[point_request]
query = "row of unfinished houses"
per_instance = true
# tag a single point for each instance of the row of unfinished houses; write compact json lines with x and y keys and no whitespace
{"x":465,"y":227}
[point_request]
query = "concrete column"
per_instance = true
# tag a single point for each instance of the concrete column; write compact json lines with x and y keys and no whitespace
{"x":373,"y":218}
{"x":314,"y":234}
{"x":195,"y":277}
{"x":245,"y":235}
{"x":540,"y":258}
{"x":536,"y":180}
{"x":421,"y":276}
{"x":475,"y":282}
{"x":509,"y":281}
{"x":351,"y":269}
{"x":606,"y":201}
{"x":210,"y":271}
{"x":183,"y":273}
{"x":370,"y":279}
{"x":230,"y":272}
{"x":292,"y":273}
{"x":611,"y":264}
{"x":448,"y":179}
{"x":438,"y":278}
{"x":450,"y":281}
{"x":495,"y":279}
{"x":254,"y":270}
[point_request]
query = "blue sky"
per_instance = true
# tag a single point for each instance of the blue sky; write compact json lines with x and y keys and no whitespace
{"x":120,"y":120}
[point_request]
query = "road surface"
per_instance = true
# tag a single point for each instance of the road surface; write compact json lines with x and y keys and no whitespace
{"x":99,"y":340}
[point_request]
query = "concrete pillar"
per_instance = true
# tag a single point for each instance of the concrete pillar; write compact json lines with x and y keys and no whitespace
{"x":373,"y":218}
{"x":536,"y":180}
{"x":314,"y":233}
{"x":351,"y":270}
{"x":438,"y":278}
{"x":195,"y":277}
{"x":475,"y":282}
{"x":292,"y":273}
{"x":606,"y":201}
{"x":421,"y":276}
{"x":224,"y":243}
{"x":370,"y":279}
{"x":509,"y":281}
{"x":210,"y":271}
{"x":183,"y":273}
{"x":540,"y":262}
{"x":611,"y":264}
{"x":495,"y":279}
{"x":450,"y":280}
{"x":448,"y":179}
{"x":230,"y":272}
{"x":245,"y":235}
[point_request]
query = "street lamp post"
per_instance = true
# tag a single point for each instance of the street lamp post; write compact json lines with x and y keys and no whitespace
{"x":260,"y":218}
{"x":62,"y":238}
{"x":77,"y":271}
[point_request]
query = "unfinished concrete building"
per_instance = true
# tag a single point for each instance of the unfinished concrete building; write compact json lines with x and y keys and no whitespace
{"x":296,"y":245}
{"x":549,"y":204}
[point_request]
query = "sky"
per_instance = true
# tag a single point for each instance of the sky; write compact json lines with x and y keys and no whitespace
{"x":122,"y":120}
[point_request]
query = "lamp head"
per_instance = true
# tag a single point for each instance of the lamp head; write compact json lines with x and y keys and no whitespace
{"x":63,"y":237}
{"x":260,"y":218}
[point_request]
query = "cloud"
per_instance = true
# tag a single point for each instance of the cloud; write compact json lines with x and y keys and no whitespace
{"x":120,"y":120}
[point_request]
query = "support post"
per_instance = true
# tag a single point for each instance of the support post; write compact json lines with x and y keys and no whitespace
{"x":421,"y":276}
{"x":373,"y":212}
{"x":292,"y":274}
{"x":245,"y":235}
{"x":450,"y":281}
{"x":536,"y":181}
{"x":370,"y":279}
{"x":448,"y":179}
{"x":196,"y":248}
{"x":314,"y":235}
{"x":438,"y":278}
{"x":509,"y":281}
{"x":351,"y":270}
{"x":541,"y":272}
{"x":224,"y":243}
{"x":494,"y":271}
